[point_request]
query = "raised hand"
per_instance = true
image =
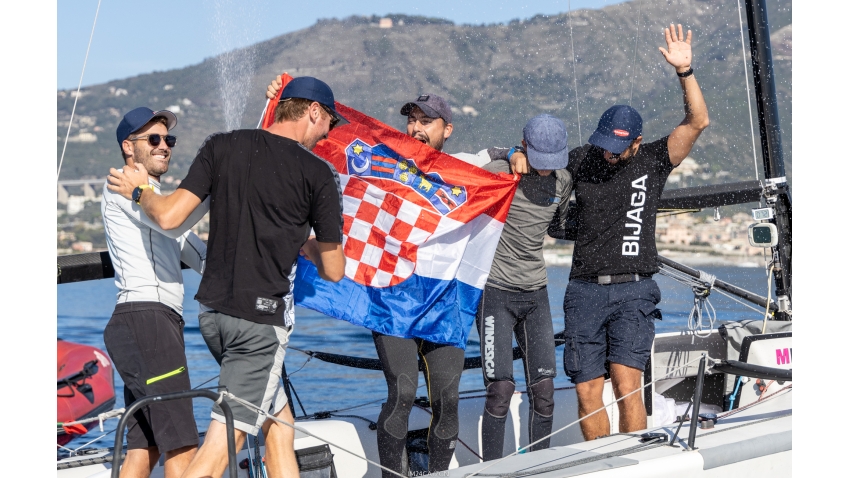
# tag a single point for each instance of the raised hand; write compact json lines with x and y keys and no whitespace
{"x":125,"y":182}
{"x":678,"y":52}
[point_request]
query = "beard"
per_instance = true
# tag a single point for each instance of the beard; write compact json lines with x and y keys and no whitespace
{"x":155,"y":166}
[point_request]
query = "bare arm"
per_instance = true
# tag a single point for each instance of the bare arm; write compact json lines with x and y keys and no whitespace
{"x":327,"y":257}
{"x":684,"y":136}
{"x":169,"y":212}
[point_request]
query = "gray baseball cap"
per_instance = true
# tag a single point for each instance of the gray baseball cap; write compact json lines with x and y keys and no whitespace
{"x":432,"y":105}
{"x":546,"y":142}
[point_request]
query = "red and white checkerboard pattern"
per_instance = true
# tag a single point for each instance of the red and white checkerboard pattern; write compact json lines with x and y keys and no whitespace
{"x":382,"y":233}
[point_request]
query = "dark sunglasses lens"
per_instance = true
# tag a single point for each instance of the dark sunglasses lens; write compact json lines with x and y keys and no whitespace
{"x":155,"y":139}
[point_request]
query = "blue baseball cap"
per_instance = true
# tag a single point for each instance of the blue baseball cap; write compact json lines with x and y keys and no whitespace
{"x":313,"y":89}
{"x":618,"y":127}
{"x":136,"y":119}
{"x":546,"y":142}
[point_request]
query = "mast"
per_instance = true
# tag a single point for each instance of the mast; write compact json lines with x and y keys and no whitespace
{"x":778,"y":195}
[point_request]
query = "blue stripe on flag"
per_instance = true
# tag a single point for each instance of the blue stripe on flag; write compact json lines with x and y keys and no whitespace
{"x":441,"y":311}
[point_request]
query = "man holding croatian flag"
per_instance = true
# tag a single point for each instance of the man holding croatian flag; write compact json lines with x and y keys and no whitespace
{"x":420,"y":232}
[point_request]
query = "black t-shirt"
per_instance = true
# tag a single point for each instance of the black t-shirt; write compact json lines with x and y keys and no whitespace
{"x":616,"y":208}
{"x":266,"y":192}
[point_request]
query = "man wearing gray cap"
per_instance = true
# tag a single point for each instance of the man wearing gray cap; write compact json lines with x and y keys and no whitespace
{"x":515,"y":299}
{"x":267,"y":191}
{"x":144,"y":336}
{"x":429,"y":120}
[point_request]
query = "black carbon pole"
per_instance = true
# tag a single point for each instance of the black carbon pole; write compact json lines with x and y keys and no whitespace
{"x":692,"y":433}
{"x":228,"y":422}
{"x":771,"y":136}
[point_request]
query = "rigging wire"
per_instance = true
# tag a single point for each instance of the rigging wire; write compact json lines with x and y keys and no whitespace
{"x":747,"y":82}
{"x":634,"y":58}
{"x":575,"y":77}
{"x":77,"y":97}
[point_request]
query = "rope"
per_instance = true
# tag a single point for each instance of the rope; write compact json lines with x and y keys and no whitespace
{"x":575,"y":77}
{"x":634,"y":59}
{"x":747,"y":82}
{"x":80,"y":85}
{"x":521,"y":450}
{"x":702,"y":306}
{"x":767,"y":310}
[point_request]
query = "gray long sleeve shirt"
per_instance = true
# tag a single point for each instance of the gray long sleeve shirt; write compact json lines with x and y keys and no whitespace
{"x":539,"y":200}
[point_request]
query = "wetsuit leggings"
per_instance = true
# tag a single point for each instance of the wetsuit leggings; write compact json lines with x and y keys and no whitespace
{"x":444,"y":365}
{"x":501,"y":315}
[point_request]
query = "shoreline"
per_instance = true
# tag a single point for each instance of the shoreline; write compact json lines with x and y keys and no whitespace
{"x":564,"y":258}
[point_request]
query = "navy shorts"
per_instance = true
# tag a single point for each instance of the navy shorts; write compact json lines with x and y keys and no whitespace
{"x":608,"y":323}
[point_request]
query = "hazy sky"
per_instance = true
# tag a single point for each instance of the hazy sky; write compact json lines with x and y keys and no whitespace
{"x":131,"y":38}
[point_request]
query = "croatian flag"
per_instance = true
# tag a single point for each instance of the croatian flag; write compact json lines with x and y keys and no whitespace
{"x":420,"y":229}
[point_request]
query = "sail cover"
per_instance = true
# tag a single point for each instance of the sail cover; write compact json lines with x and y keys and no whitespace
{"x":420,"y":230}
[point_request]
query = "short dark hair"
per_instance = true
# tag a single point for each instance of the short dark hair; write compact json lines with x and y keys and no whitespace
{"x":291,"y":109}
{"x":155,"y":119}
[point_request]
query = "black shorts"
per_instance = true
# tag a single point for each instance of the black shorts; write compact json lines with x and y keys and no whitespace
{"x":608,"y":323}
{"x":145,"y":342}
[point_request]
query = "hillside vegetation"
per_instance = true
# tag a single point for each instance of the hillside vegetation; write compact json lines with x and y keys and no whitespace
{"x":496,"y":76}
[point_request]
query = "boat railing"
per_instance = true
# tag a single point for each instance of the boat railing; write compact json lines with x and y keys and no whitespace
{"x":216,"y":397}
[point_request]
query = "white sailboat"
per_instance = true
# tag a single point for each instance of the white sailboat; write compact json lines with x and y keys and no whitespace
{"x":735,"y":386}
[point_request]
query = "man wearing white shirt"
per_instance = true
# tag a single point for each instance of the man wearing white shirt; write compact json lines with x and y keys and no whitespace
{"x":144,"y":336}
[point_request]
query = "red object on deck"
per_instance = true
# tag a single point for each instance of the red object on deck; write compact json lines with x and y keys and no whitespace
{"x":84,"y":386}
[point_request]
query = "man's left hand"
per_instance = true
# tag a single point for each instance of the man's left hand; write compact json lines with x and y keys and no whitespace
{"x":123,"y":183}
{"x":678,"y":52}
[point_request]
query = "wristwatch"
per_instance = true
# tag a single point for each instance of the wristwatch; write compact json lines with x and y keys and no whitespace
{"x":137,"y":193}
{"x":515,"y":149}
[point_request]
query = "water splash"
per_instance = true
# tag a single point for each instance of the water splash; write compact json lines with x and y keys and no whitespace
{"x":234,"y":24}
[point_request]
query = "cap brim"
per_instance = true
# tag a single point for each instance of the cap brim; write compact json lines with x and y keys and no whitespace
{"x":429,"y":112}
{"x":548,"y":161}
{"x":614,"y":145}
{"x":169,"y":116}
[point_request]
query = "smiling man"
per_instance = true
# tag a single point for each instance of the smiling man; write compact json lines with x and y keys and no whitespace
{"x":144,"y":337}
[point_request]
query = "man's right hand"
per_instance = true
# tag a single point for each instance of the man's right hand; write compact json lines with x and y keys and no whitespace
{"x":519,"y":163}
{"x":123,"y":183}
{"x":274,"y":87}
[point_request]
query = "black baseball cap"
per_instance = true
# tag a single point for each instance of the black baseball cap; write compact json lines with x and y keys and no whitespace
{"x":618,"y":127}
{"x":432,"y":105}
{"x":313,"y":89}
{"x":136,"y":119}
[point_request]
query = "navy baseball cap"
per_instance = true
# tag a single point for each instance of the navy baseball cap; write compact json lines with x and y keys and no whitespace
{"x":313,"y":89}
{"x":432,"y":105}
{"x":136,"y":119}
{"x":618,"y":127}
{"x":546,"y":142}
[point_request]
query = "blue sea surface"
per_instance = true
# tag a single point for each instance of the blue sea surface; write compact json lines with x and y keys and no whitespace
{"x":84,"y":309}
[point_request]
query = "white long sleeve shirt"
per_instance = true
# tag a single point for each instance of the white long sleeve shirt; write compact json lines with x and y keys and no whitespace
{"x":147,"y":258}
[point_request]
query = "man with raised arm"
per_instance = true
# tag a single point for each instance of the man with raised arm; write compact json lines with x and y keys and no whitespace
{"x":267,"y":191}
{"x":429,"y":120}
{"x":144,"y":336}
{"x":610,"y":302}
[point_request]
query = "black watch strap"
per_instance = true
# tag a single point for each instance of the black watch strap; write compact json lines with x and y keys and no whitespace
{"x":686,"y":73}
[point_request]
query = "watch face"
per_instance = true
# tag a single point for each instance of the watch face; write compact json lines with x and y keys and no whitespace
{"x":137,"y":194}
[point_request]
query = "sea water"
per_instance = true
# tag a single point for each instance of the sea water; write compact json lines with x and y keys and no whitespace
{"x":84,"y":309}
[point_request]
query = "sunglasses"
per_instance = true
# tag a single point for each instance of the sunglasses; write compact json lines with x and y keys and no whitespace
{"x":156,"y":139}
{"x":334,"y":118}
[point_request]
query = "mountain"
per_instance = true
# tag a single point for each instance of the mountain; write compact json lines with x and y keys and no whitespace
{"x":496,"y":76}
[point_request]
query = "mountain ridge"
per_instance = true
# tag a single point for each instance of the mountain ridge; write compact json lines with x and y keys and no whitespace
{"x":496,"y":76}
